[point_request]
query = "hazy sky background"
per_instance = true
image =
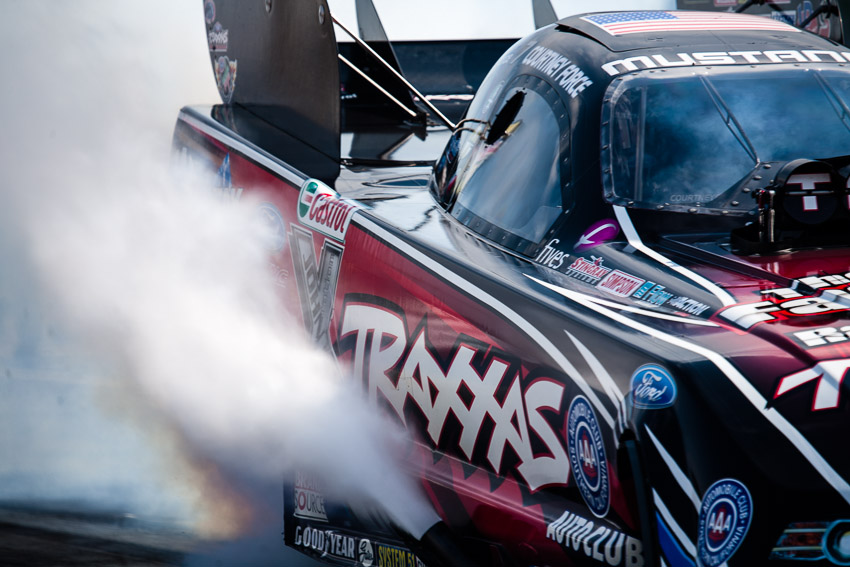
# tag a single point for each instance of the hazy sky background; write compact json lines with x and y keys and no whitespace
{"x":466,"y":19}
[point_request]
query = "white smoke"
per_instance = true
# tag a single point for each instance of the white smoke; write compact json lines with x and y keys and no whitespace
{"x":142,"y":285}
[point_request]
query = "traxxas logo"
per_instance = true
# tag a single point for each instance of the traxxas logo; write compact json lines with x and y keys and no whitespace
{"x":499,"y":412}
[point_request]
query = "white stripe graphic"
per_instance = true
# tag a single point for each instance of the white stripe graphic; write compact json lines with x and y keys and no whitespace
{"x":602,"y":375}
{"x":674,"y":527}
{"x":684,"y":483}
{"x":748,"y":390}
{"x":494,"y":303}
{"x":634,"y":240}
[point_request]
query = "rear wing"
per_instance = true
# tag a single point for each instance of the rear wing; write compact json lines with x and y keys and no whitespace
{"x":827,"y":18}
{"x":279,"y":62}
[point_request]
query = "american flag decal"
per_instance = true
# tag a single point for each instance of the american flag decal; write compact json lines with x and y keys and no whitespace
{"x":622,"y":23}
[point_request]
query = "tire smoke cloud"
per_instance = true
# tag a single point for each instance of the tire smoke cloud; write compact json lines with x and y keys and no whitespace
{"x":146,"y":297}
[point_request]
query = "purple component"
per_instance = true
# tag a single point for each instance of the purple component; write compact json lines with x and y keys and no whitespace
{"x":598,"y":233}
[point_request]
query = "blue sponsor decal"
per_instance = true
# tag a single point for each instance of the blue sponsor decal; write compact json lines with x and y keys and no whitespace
{"x":272,"y":223}
{"x":724,"y":518}
{"x":587,"y":456}
{"x":653,"y":387}
{"x":225,"y":179}
{"x":672,"y":550}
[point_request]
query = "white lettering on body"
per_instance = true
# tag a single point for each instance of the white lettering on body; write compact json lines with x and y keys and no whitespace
{"x":520,"y":412}
{"x":653,"y":61}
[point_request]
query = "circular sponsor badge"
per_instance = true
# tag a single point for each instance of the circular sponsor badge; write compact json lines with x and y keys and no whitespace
{"x":724,"y":518}
{"x":587,"y":456}
{"x":653,"y":387}
{"x":272,"y":224}
{"x":365,"y":553}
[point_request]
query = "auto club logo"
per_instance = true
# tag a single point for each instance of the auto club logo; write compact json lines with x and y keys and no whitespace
{"x":724,"y":518}
{"x":587,"y":456}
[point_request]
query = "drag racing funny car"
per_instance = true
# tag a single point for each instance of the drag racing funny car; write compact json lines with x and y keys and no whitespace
{"x":608,"y":295}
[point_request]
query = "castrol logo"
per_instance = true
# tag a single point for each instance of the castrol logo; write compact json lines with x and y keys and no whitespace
{"x":323,"y":210}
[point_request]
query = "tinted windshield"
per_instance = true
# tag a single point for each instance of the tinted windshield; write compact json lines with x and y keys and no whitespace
{"x":683,"y":139}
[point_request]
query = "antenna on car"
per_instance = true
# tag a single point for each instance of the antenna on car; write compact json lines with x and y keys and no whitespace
{"x":389,"y":67}
{"x":544,"y":13}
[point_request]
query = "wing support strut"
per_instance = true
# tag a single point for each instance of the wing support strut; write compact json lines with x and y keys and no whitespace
{"x":395,"y":73}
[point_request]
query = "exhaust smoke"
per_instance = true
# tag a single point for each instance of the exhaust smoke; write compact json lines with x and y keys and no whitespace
{"x":148,"y":361}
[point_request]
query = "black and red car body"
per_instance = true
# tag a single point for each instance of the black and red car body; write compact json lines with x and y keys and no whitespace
{"x":611,"y":303}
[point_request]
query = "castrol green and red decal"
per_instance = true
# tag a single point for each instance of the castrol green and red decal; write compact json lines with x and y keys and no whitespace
{"x":323,"y":210}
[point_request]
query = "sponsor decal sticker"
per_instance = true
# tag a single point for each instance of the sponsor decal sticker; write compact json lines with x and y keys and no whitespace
{"x":620,"y":283}
{"x":587,"y":455}
{"x":653,"y":293}
{"x":273,"y":226}
{"x":587,"y":270}
{"x":724,"y":518}
{"x":365,"y":553}
{"x":653,"y":387}
{"x":827,"y":374}
{"x":225,"y":188}
{"x":624,"y":23}
{"x":209,"y":11}
{"x":217,"y":37}
{"x":316,"y":282}
{"x":559,"y":69}
{"x":323,"y":210}
{"x":595,"y":541}
{"x":822,"y":336}
{"x":478,"y":387}
{"x":392,"y":556}
{"x":309,"y":500}
{"x":687,"y":305}
{"x":598,"y":233}
{"x":551,"y":256}
{"x":830,"y":296}
{"x":325,"y":542}
{"x":225,"y":77}
{"x":279,"y":276}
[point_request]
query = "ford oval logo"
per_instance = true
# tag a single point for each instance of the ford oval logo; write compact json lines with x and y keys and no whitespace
{"x":653,"y":387}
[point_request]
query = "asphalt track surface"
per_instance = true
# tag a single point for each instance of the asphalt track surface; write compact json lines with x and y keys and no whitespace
{"x":42,"y":538}
{"x":74,"y":484}
{"x":35,"y":536}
